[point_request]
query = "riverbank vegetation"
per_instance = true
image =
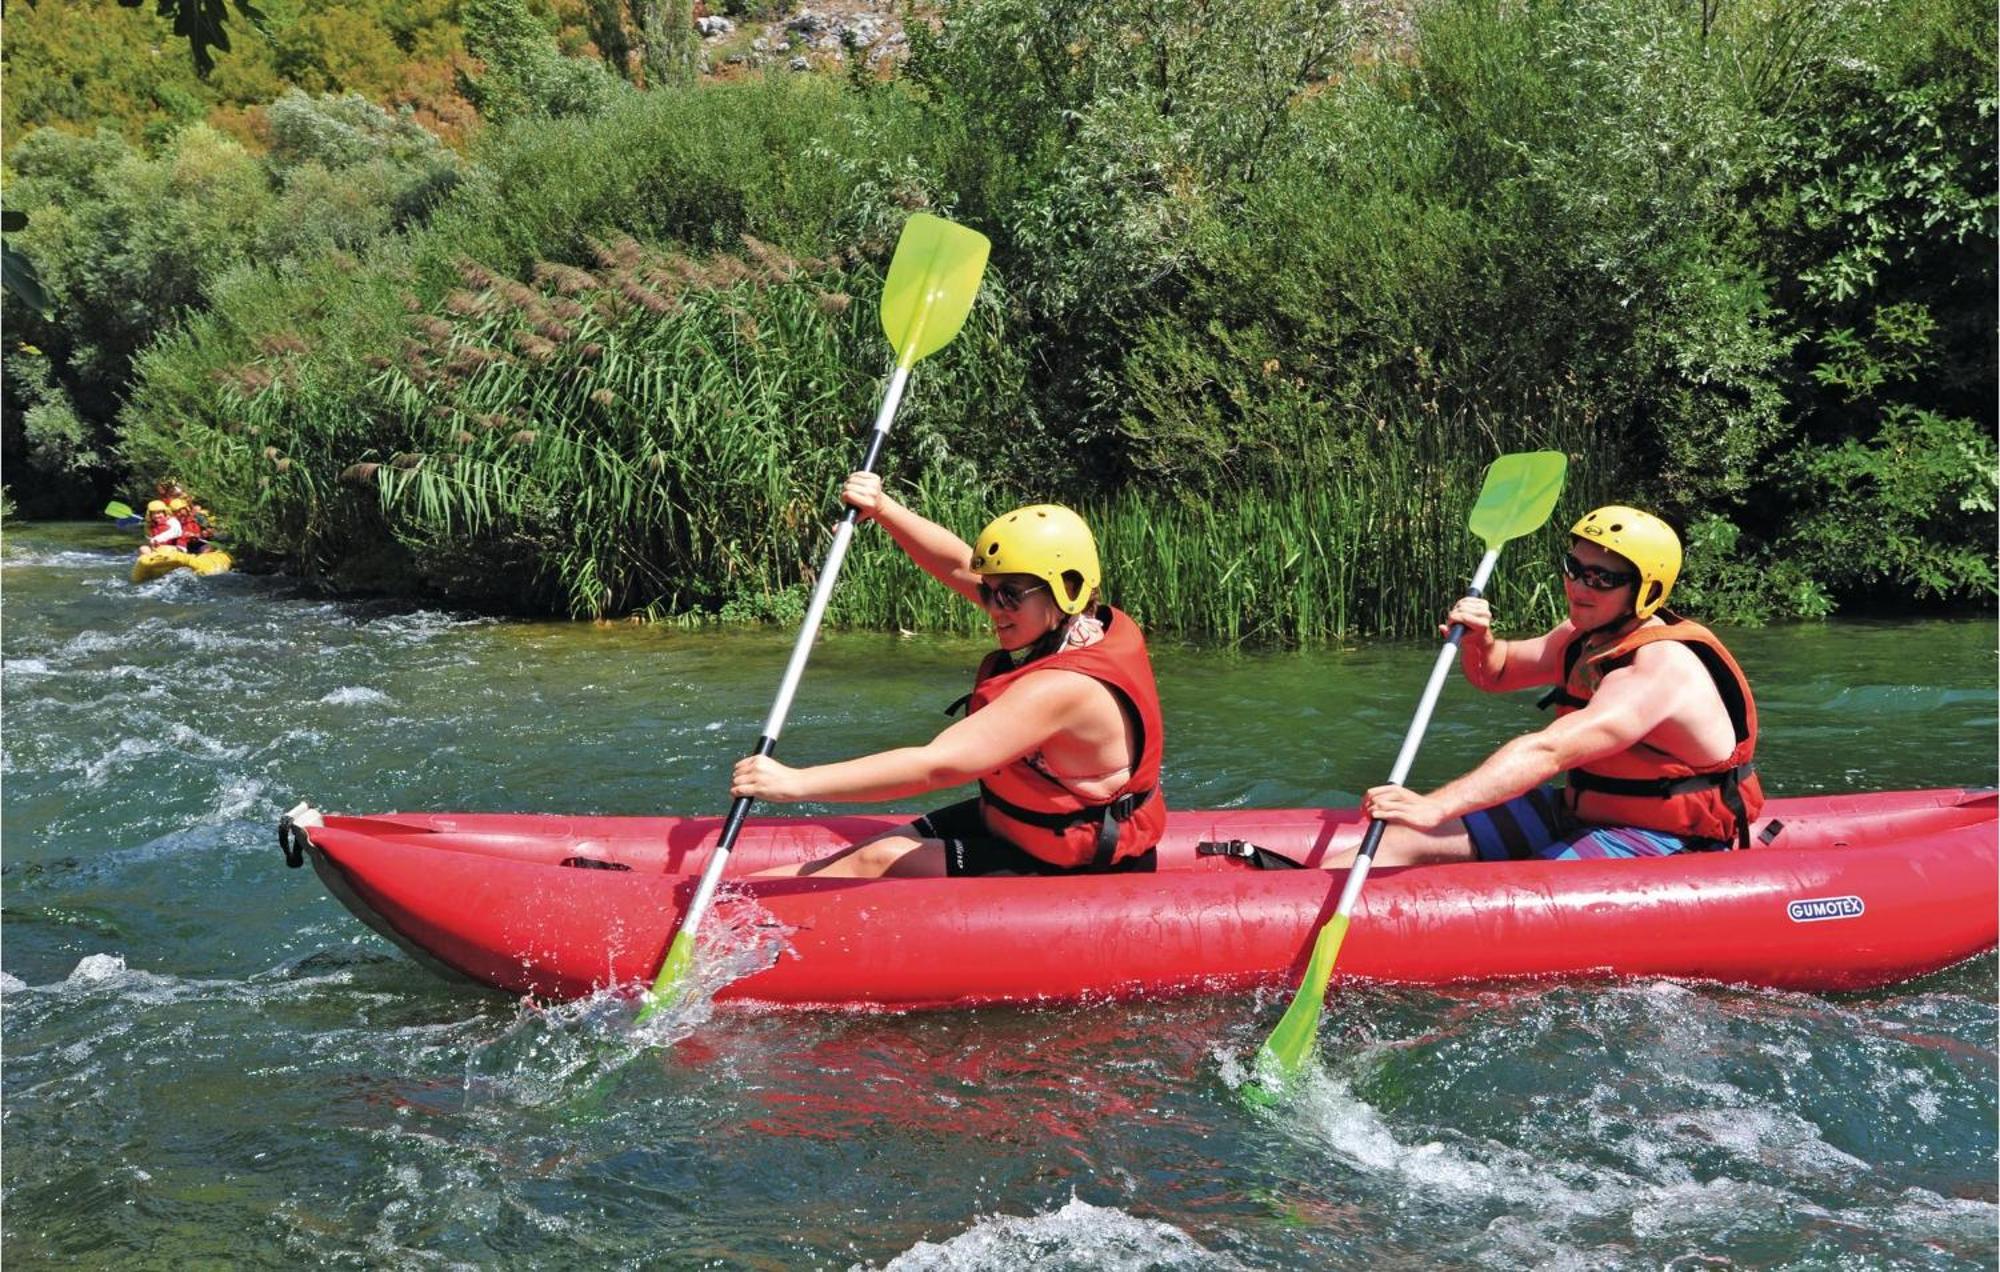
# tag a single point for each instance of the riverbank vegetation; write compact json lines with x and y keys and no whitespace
{"x":1270,"y":285}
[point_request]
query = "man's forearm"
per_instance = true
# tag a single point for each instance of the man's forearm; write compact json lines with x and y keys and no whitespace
{"x":1518,"y":767}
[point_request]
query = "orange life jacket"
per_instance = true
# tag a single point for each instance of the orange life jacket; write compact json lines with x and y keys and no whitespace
{"x":1644,"y":786}
{"x":1027,"y":806}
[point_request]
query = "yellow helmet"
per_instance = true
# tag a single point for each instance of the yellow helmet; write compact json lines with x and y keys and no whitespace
{"x":157,"y":505}
{"x":1649,"y":543}
{"x":175,"y":505}
{"x":1045,"y":540}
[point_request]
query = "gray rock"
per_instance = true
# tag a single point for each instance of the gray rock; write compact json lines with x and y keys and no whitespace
{"x":714,"y":26}
{"x":799,"y":64}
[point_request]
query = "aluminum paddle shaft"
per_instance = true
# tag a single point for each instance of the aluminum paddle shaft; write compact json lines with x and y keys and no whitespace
{"x":932,"y":281}
{"x":795,"y":670}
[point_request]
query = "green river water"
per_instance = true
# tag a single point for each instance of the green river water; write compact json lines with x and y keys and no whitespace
{"x":209,"y":1063}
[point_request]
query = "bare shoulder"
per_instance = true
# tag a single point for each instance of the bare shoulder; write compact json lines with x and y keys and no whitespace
{"x":1665,"y":663}
{"x":1058,"y":686}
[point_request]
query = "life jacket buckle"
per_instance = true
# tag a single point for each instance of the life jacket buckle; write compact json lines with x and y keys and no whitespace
{"x":1226,"y":848}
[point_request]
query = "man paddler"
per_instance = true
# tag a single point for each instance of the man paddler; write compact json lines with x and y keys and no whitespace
{"x":1654,"y":733}
{"x":1063,"y":732}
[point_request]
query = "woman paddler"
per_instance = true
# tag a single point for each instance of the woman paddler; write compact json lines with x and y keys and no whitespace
{"x":1063,"y":732}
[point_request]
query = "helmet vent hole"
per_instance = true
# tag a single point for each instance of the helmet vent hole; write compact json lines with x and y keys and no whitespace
{"x":1617,"y":527}
{"x":992,"y":549}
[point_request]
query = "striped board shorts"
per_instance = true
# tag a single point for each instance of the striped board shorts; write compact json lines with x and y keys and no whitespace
{"x":1538,"y":826}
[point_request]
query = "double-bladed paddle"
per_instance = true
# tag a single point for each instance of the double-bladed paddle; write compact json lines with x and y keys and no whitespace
{"x":1519,"y":492}
{"x":123,"y":515}
{"x":932,"y":281}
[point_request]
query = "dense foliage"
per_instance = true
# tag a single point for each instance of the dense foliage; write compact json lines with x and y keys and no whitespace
{"x":1268,"y":288}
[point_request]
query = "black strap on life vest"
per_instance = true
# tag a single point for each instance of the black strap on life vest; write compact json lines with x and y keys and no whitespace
{"x":1560,"y":696}
{"x":1107,"y":816}
{"x":997,"y":662}
{"x":1729,"y":782}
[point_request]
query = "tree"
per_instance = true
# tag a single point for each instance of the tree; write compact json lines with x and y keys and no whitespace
{"x":201,"y":23}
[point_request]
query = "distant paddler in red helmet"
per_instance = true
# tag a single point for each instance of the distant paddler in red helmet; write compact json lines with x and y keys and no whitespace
{"x":1655,"y":725}
{"x":1063,"y":733}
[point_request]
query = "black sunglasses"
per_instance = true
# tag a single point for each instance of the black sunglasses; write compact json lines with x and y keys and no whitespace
{"x":1596,"y":577}
{"x":1008,"y":596}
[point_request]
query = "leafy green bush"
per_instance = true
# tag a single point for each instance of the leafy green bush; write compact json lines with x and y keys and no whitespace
{"x":1263,"y":302}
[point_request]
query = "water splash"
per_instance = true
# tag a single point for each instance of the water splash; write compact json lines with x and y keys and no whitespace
{"x":1079,"y":1236}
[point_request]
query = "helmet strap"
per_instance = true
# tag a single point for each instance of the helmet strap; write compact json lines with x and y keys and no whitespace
{"x":1049,"y":642}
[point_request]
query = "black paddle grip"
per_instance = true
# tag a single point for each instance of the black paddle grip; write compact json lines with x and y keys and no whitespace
{"x":740,"y":807}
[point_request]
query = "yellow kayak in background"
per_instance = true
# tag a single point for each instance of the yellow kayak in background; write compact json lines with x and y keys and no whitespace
{"x":153,"y":562}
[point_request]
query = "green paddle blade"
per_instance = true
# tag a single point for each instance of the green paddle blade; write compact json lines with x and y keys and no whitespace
{"x":1290,"y":1045}
{"x":667,"y":986}
{"x":116,"y":509}
{"x":1520,"y":492}
{"x":931,"y":285}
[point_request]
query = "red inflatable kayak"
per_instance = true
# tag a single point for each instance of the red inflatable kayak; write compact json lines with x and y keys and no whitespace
{"x":1842,"y":892}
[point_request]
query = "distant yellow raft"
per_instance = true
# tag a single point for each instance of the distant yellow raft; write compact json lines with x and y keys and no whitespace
{"x":153,"y":562}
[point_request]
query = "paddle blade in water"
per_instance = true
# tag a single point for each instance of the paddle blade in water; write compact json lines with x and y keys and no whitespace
{"x":1286,"y":1052}
{"x":1520,"y":491}
{"x":931,"y":285}
{"x":119,"y":510}
{"x":672,"y":980}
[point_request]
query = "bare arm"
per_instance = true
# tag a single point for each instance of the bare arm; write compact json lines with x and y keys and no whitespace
{"x":1019,"y":721}
{"x":940,"y":553}
{"x":1499,"y":666}
{"x":1631,"y":703}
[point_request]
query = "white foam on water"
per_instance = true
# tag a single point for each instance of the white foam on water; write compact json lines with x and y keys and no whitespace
{"x":1079,"y":1236}
{"x":419,"y":627}
{"x":94,"y":642}
{"x":1717,"y":1205}
{"x":552,"y":1052}
{"x":1769,"y":1137}
{"x":1928,"y":1104}
{"x":208,"y":640}
{"x":10,"y":982}
{"x":1356,"y":1133}
{"x":177,"y":741}
{"x":1922,"y":1213}
{"x":354,"y":695}
{"x":96,"y":968}
{"x":25,"y":667}
{"x":237,"y":796}
{"x":61,"y":559}
{"x":1552,"y":1200}
{"x":1510,"y":1243}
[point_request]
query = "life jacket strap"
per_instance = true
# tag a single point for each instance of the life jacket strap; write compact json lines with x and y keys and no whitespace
{"x":1728,"y":782}
{"x":1242,"y":849}
{"x":1108,"y":816}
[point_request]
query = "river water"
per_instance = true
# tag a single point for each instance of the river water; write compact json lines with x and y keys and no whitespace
{"x":208,"y":1061}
